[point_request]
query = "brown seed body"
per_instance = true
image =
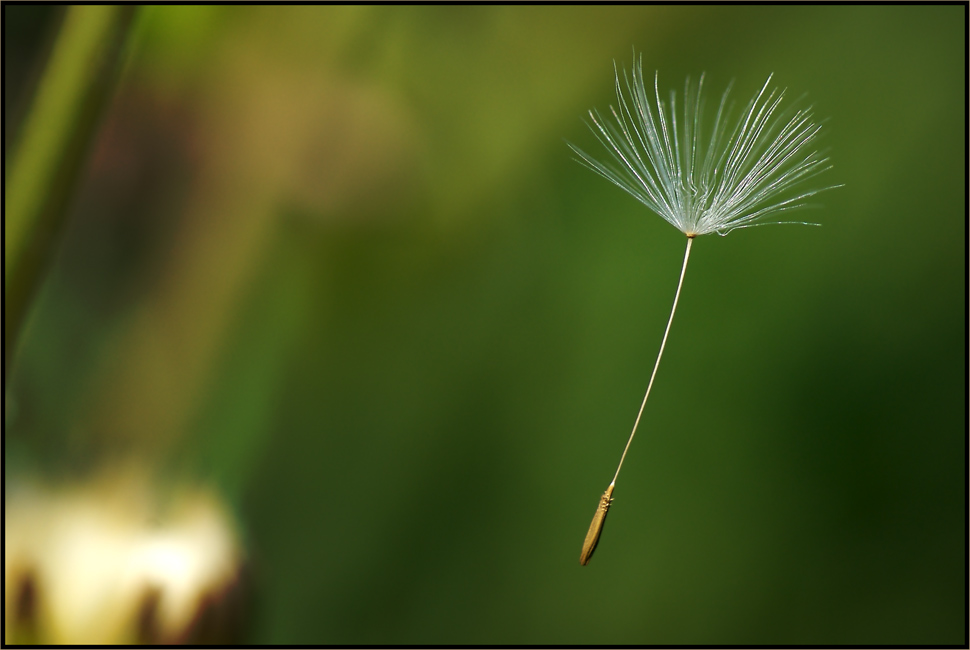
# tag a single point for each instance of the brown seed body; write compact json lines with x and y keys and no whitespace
{"x":596,"y":527}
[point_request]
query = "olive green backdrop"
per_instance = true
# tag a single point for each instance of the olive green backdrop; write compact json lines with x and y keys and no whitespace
{"x":340,"y":263}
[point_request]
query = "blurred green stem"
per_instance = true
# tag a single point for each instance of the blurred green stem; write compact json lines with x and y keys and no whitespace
{"x":47,"y":160}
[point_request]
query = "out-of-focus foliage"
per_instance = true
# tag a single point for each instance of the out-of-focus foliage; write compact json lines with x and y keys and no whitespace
{"x":42,"y":170}
{"x":338,"y":263}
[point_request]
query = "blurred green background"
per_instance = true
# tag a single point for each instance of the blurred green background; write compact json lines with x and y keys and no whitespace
{"x":339,"y":263}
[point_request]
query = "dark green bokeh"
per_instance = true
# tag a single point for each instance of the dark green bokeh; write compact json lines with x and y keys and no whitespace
{"x":433,"y":363}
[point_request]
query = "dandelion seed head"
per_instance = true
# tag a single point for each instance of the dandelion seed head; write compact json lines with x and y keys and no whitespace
{"x":731,"y":176}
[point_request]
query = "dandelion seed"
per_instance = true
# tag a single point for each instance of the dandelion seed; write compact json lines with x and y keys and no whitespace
{"x":596,"y":527}
{"x":732,"y":178}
